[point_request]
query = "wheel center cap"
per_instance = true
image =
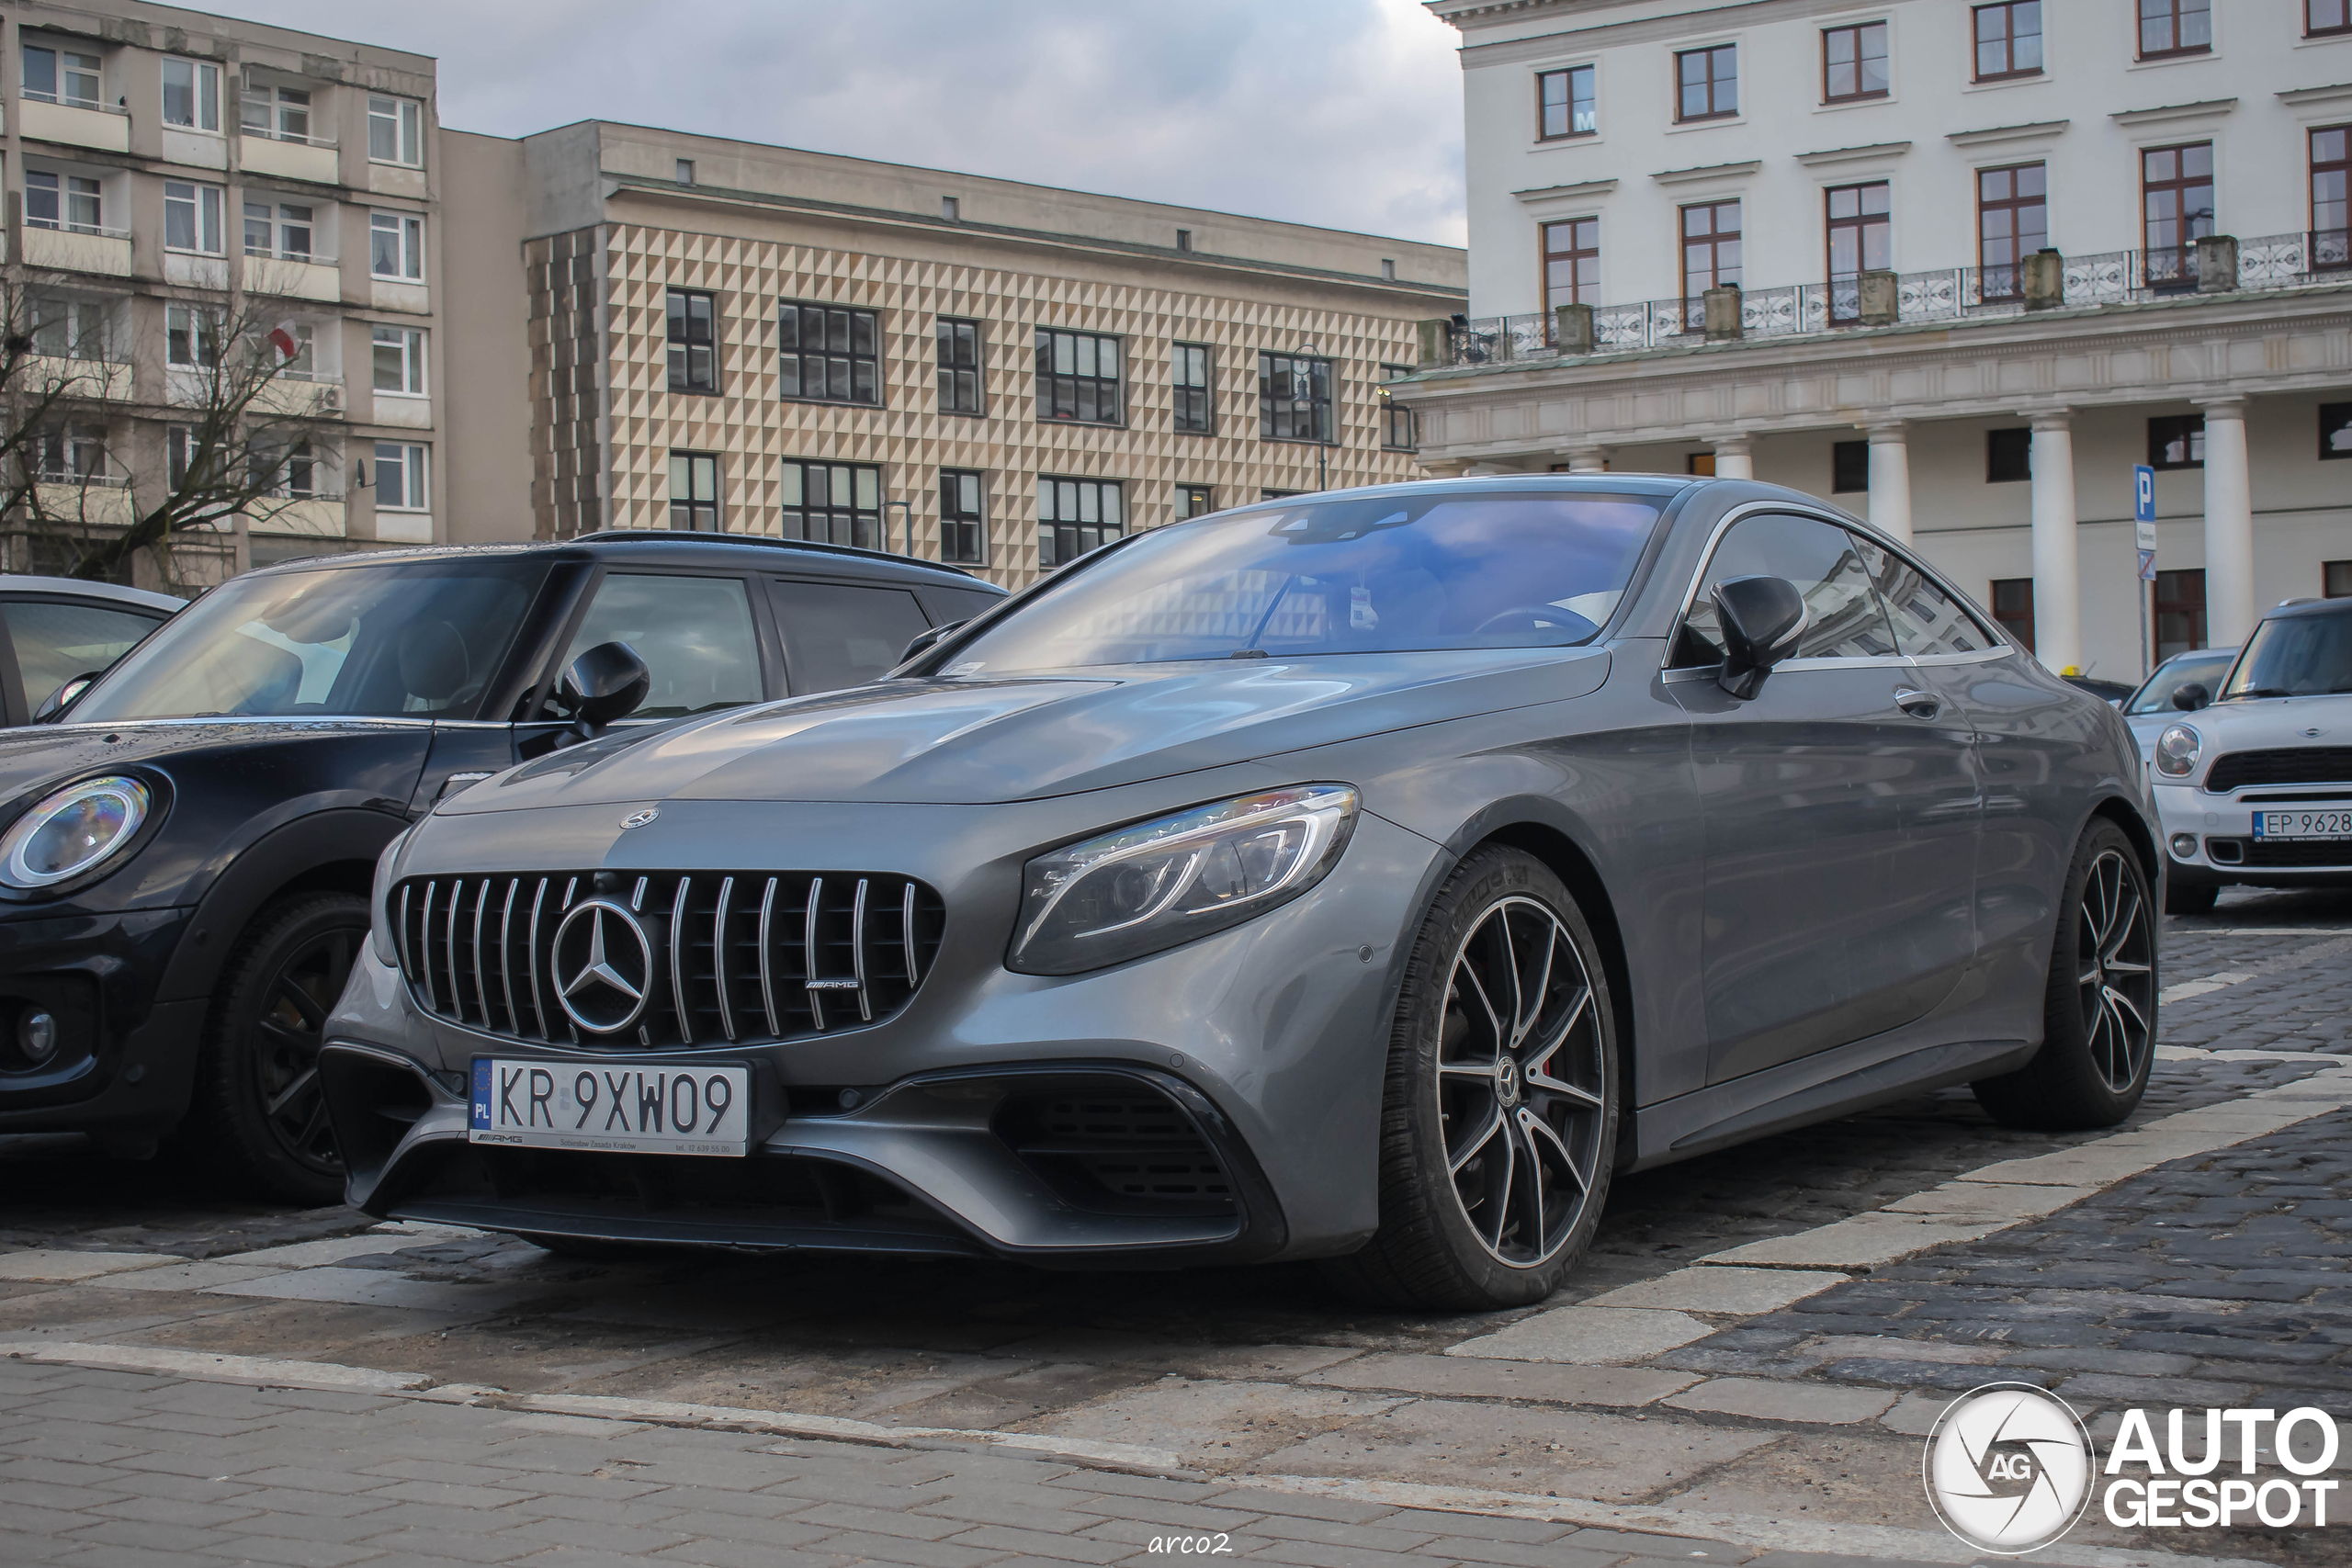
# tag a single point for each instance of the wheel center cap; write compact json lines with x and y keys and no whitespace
{"x":1507,"y":1082}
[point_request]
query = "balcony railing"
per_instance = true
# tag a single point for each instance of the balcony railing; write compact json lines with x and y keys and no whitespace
{"x":2117,"y":277}
{"x":313,"y":257}
{"x":64,"y":101}
{"x":277,"y":134}
{"x":64,"y":226}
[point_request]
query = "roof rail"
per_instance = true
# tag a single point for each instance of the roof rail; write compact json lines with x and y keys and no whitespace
{"x":671,"y":535}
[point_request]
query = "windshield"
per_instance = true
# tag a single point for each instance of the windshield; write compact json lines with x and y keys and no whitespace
{"x":418,"y":640}
{"x":2295,"y":656}
{"x":2205,"y":669}
{"x":1368,"y":574}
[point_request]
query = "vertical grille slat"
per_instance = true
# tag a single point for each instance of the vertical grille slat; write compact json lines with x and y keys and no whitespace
{"x":719,"y":957}
{"x":811,"y":971}
{"x":481,"y":988}
{"x":425,"y":947}
{"x":449,"y":947}
{"x":680,"y":1003}
{"x":906,"y":936}
{"x":857,"y":953}
{"x":531,"y":945}
{"x":506,"y":955}
{"x":767,"y":957}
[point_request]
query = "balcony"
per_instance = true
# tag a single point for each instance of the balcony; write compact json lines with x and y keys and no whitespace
{"x":400,"y":409}
{"x":300,"y":397}
{"x":1944,"y":294}
{"x":102,"y":499}
{"x":95,"y":379}
{"x":80,"y":248}
{"x":288,"y":156}
{"x":294,"y":275}
{"x":74,"y":122}
{"x":311,"y":516}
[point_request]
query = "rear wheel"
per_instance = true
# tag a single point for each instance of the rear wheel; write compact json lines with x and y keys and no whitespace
{"x":2099,"y":1008}
{"x":1498,"y":1126}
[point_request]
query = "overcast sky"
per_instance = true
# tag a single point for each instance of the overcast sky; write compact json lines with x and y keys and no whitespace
{"x":1346,"y":113}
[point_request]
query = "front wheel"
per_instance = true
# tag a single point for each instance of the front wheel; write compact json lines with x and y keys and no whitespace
{"x":2099,"y":1007}
{"x":1498,"y":1124}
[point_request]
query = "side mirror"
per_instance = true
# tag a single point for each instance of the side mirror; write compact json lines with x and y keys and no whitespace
{"x":2190,"y":695}
{"x":64,"y":697}
{"x":925,"y":641}
{"x":1760,"y":619}
{"x":603,"y":685}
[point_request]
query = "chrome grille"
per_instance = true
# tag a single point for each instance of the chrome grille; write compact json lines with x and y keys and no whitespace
{"x":735,"y":957}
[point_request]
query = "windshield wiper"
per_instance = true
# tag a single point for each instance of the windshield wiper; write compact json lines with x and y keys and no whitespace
{"x":2258,"y":692}
{"x":1249,"y":653}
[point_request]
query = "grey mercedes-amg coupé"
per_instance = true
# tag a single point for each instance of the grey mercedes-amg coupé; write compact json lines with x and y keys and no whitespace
{"x":1365,"y":877}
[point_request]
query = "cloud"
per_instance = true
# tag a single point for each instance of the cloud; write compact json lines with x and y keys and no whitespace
{"x":1345,"y":113}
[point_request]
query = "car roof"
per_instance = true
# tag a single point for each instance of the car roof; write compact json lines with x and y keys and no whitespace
{"x":13,"y":582}
{"x":2304,"y":609}
{"x":660,"y":547}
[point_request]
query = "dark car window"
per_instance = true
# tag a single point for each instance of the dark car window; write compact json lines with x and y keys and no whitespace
{"x":2295,"y":656}
{"x":2205,"y":669}
{"x":1844,"y":619}
{"x":960,"y":603}
{"x":409,"y":639}
{"x":1927,"y":621}
{"x":839,"y":635}
{"x":694,"y":633}
{"x":56,"y":641}
{"x":1380,"y":574}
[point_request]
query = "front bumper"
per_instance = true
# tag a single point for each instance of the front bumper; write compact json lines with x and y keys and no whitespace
{"x":2209,"y":839}
{"x":125,"y":1063}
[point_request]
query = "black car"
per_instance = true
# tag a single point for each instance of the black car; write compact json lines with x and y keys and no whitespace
{"x":186,"y":851}
{"x":60,"y":627}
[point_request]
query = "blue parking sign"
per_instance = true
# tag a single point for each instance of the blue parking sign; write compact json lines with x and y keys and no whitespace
{"x":2144,"y":493}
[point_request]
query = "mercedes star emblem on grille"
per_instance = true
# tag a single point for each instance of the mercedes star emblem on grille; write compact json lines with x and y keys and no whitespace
{"x":639,"y":818}
{"x":604,"y":966}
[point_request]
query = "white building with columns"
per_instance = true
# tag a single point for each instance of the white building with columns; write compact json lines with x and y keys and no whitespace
{"x":1959,"y":266}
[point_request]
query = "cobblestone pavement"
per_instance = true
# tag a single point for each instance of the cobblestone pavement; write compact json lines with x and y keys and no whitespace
{"x":1789,"y":1421}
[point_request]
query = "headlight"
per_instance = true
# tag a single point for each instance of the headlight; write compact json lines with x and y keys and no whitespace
{"x":2176,"y":751}
{"x":71,"y":831}
{"x":379,"y":925}
{"x":1165,"y":881}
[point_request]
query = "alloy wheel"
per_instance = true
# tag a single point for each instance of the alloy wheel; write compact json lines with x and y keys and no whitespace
{"x":289,"y":1029}
{"x":2115,"y":944}
{"x":1522,"y":1081}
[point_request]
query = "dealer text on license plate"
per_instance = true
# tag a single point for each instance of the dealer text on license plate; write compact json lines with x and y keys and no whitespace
{"x":2302,"y":824}
{"x":612,"y":1109}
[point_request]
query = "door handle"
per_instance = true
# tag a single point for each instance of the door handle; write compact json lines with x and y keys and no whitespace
{"x":1918,"y":704}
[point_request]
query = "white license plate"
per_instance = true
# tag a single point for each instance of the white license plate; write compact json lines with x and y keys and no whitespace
{"x":2302,"y":824}
{"x":612,"y":1108}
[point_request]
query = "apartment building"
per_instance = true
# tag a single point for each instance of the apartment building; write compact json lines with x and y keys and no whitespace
{"x":1962,"y":266}
{"x":659,"y":330}
{"x":171,"y":176}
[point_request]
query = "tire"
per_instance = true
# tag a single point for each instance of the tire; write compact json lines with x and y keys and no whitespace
{"x":1498,"y":1133}
{"x":2183,"y":897}
{"x":258,"y":1110}
{"x":2099,"y":1007}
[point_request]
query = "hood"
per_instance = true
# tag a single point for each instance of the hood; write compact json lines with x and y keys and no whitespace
{"x":35,"y":758}
{"x":974,"y":742}
{"x":2267,"y":722}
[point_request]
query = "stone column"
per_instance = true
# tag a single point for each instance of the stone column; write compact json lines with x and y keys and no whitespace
{"x":1890,"y":481}
{"x":2229,"y":526}
{"x":1587,"y":459}
{"x":2057,"y":591}
{"x":1735,"y":457}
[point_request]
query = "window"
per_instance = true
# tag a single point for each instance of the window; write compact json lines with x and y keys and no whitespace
{"x":2335,"y":579}
{"x":400,"y":478}
{"x":1194,"y":500}
{"x":2012,"y":222}
{"x":2176,"y":192}
{"x":2009,"y":39}
{"x":963,"y":516}
{"x":2013,"y":608}
{"x":1183,"y":239}
{"x":72,"y":452}
{"x":2326,"y":16}
{"x":400,"y":360}
{"x":396,"y":245}
{"x":1077,"y":377}
{"x":2331,"y":243}
{"x":837,"y":636}
{"x":1192,"y":381}
{"x":62,"y":201}
{"x":1854,"y":62}
{"x":959,"y":365}
{"x":829,"y":354}
{"x":1861,"y":239}
{"x":283,"y":231}
{"x":1710,"y":247}
{"x":300,"y":365}
{"x":1564,"y":103}
{"x":833,"y":504}
{"x":2008,"y":456}
{"x":2174,"y":26}
{"x":55,"y":642}
{"x":191,"y":336}
{"x":1708,"y":82}
{"x":192,"y":218}
{"x":62,"y":77}
{"x":1388,"y":269}
{"x":191,"y":94}
{"x":1699,"y":465}
{"x":289,"y":471}
{"x":1571,"y":264}
{"x":1293,"y":397}
{"x":951,"y":209}
{"x":1398,"y":432}
{"x":64,"y":327}
{"x":2335,"y":430}
{"x":694,"y":342}
{"x":1077,"y":515}
{"x":694,"y":633}
{"x":1849,"y":467}
{"x":694,"y":491}
{"x":1845,"y":619}
{"x":395,"y":130}
{"x":684,"y":171}
{"x":2180,"y":613}
{"x":280,"y":113}
{"x":1927,"y":621}
{"x":2176,"y":441}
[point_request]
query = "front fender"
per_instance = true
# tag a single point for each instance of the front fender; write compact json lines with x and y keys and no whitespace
{"x":258,"y":871}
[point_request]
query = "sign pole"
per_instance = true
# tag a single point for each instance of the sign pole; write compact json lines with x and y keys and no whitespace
{"x":2143,"y":521}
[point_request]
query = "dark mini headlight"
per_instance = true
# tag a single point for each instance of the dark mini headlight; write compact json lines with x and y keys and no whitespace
{"x":2176,"y":751}
{"x":72,"y":832}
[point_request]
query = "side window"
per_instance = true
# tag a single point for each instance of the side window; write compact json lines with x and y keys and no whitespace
{"x":1843,"y":618}
{"x":694,"y":633}
{"x":1927,"y":620}
{"x":55,"y":642}
{"x":958,"y":603}
{"x":838,"y":635}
